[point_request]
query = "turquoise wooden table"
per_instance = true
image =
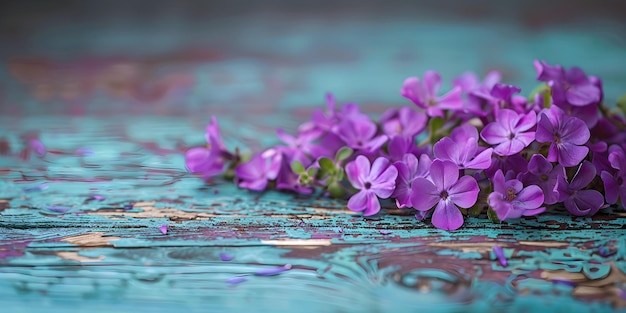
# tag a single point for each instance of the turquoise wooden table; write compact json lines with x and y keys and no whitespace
{"x":117,"y":98}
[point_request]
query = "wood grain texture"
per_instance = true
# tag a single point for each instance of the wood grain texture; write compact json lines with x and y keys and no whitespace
{"x":119,"y":128}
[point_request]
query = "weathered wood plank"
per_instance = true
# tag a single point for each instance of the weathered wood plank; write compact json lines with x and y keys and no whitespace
{"x":122,"y":133}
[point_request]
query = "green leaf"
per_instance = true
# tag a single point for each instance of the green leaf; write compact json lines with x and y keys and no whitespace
{"x":343,"y":153}
{"x":340,"y":174}
{"x":621,"y":104}
{"x":312,"y":171}
{"x":335,"y":190}
{"x":493,"y":216}
{"x":543,"y":88}
{"x":297,"y":167}
{"x":326,"y":166}
{"x":475,"y":210}
{"x":435,"y":125}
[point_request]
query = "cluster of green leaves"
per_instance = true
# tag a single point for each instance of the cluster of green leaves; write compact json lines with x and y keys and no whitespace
{"x":325,"y":173}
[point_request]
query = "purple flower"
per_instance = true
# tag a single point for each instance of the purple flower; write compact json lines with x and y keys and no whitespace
{"x":360,"y":134}
{"x":409,"y":168}
{"x":328,"y":121}
{"x":614,"y":180}
{"x":424,"y":94}
{"x":566,"y":135}
{"x":469,"y":81}
{"x":377,"y":180}
{"x":404,"y":122}
{"x":261,"y":168}
{"x":510,"y":199}
{"x":510,"y":165}
{"x":588,"y":113}
{"x":208,"y":161}
{"x":447,"y":192}
{"x":541,"y":173}
{"x":302,"y":148}
{"x":399,"y":146}
{"x":571,"y":86}
{"x":462,"y":149}
{"x":509,"y":133}
{"x":288,"y":180}
{"x":577,"y":200}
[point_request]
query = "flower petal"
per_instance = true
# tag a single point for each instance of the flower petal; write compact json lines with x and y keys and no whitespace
{"x":413,"y":90}
{"x":574,"y":131}
{"x":357,"y":171}
{"x":583,"y":177}
{"x":494,"y":133}
{"x":545,"y":129}
{"x":611,"y":188}
{"x":571,"y":155}
{"x":447,"y":216}
{"x":432,"y":83}
{"x":358,"y":201}
{"x":384,"y":185}
{"x":451,"y":100}
{"x":584,"y":202}
{"x":502,"y":208}
{"x":526,"y":122}
{"x":373,"y":205}
{"x":481,"y":161}
{"x":425,"y":194}
{"x":582,"y":95}
{"x":378,"y":167}
{"x":529,"y":198}
{"x":447,"y":149}
{"x":465,"y":192}
{"x":444,"y":174}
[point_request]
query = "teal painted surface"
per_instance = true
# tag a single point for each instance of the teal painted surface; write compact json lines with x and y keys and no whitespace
{"x":136,"y":117}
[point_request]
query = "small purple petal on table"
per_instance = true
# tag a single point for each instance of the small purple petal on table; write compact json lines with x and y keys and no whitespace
{"x":59,"y":209}
{"x":226,"y":257}
{"x":97,"y":197}
{"x":84,"y":151}
{"x":301,"y":224}
{"x":163,"y":229}
{"x":236,"y":280}
{"x":605,"y":251}
{"x":38,"y":147}
{"x":39,"y":187}
{"x":384,"y":231}
{"x":621,"y":293}
{"x":128,"y":207}
{"x":497,"y":250}
{"x":564,"y":282}
{"x":273,"y":271}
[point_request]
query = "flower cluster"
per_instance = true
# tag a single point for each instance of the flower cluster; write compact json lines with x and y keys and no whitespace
{"x":481,"y":147}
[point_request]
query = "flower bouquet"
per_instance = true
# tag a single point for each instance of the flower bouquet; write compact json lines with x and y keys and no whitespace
{"x":480,"y":147}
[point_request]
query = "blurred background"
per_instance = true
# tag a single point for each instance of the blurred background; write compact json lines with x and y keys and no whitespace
{"x":222,"y":57}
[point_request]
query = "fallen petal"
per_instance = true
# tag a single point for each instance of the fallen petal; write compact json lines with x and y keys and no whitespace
{"x":225,"y":257}
{"x":163,"y":229}
{"x":236,"y":280}
{"x":562,"y":281}
{"x":273,"y":271}
{"x":39,"y":187}
{"x":59,"y":209}
{"x":497,"y":250}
